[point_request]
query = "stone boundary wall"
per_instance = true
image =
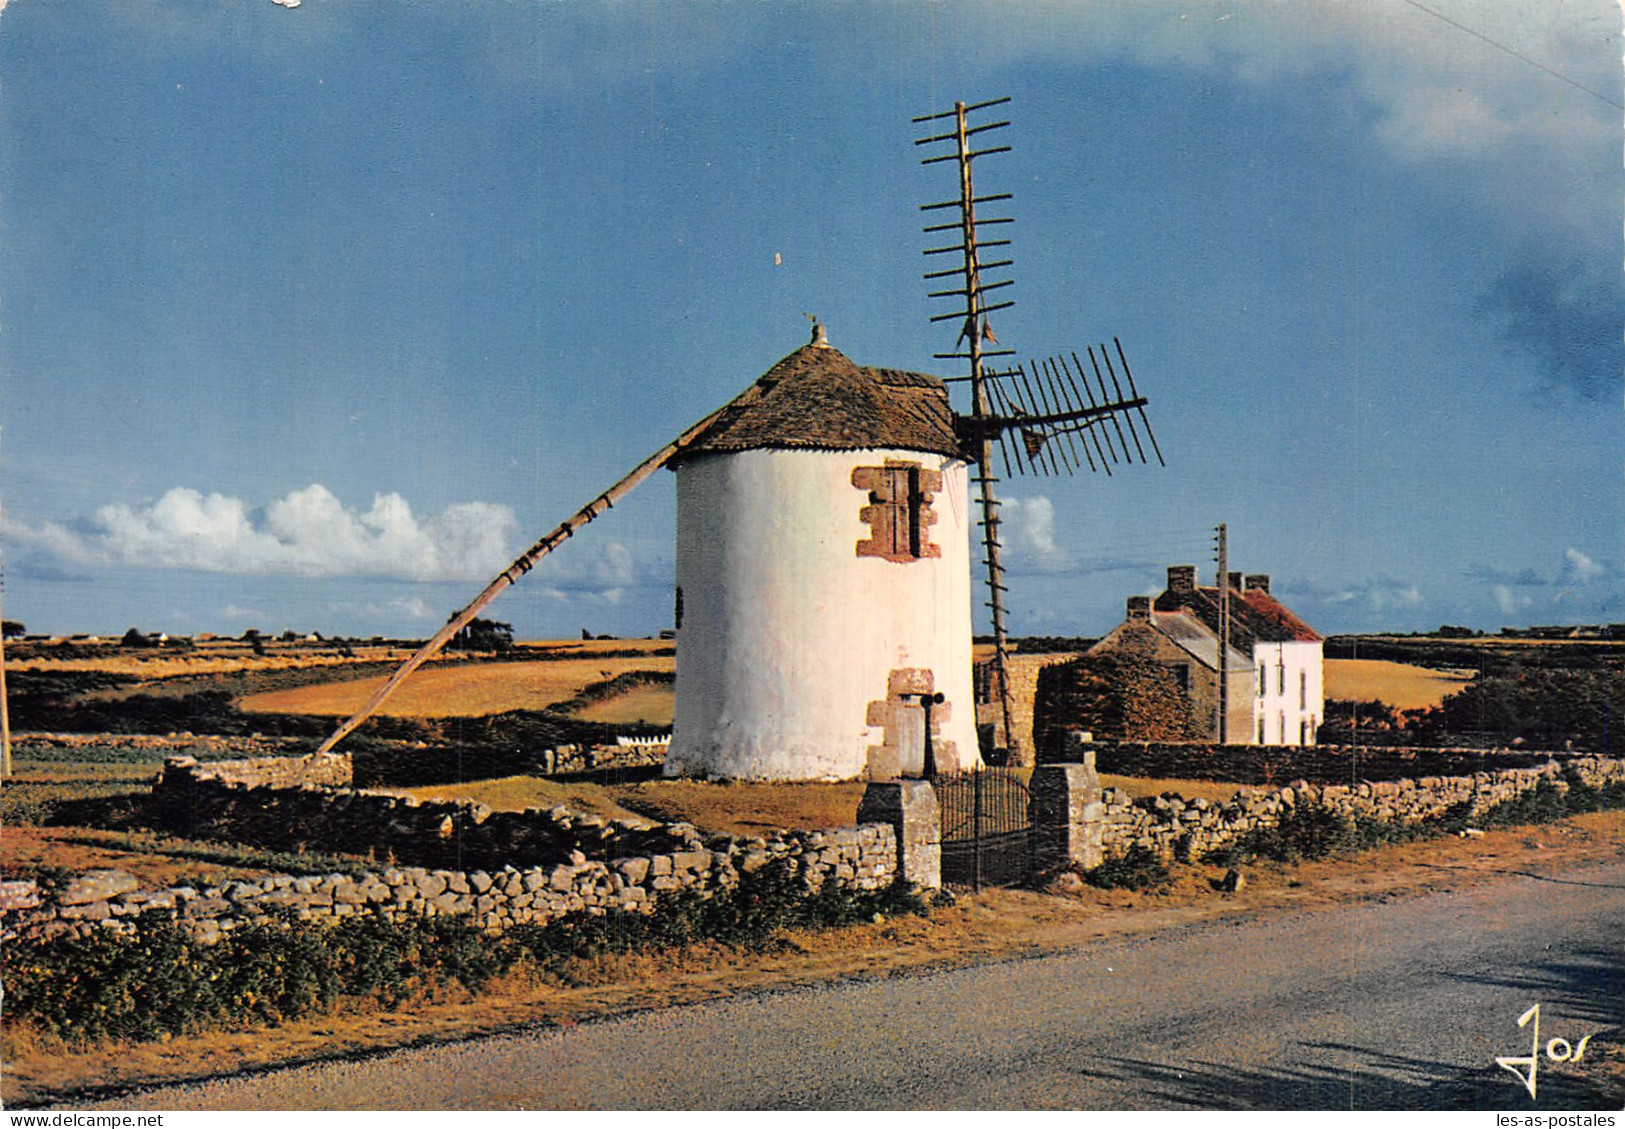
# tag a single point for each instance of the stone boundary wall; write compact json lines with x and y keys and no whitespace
{"x":265,"y":802}
{"x":1320,"y":764}
{"x":1023,"y":672}
{"x":24,"y":744}
{"x":381,"y":761}
{"x":326,"y":770}
{"x":404,"y":765}
{"x":860,"y":858}
{"x":1187,"y":829}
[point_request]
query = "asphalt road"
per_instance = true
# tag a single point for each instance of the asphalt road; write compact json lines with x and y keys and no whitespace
{"x":1398,"y":1005}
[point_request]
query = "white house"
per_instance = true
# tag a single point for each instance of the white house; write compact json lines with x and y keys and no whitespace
{"x":1288,"y":698}
{"x":823,"y":616}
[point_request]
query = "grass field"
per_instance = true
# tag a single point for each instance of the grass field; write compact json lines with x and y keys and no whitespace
{"x":1400,"y":685}
{"x":465,"y":691}
{"x":651,"y":705}
{"x":206,"y":659}
{"x":737,"y":809}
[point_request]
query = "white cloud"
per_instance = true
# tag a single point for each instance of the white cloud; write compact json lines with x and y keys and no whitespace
{"x":1510,"y":602}
{"x":1028,"y":533}
{"x":598,"y":574}
{"x":1381,"y":594}
{"x":1433,"y":121}
{"x":409,"y":607}
{"x":1582,"y":567}
{"x":307,"y":533}
{"x":237,"y":611}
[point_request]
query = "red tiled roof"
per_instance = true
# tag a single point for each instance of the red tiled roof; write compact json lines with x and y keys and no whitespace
{"x":1255,"y":616}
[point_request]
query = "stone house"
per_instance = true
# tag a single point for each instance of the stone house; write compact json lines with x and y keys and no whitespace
{"x":1180,"y":641}
{"x":1275,"y":675}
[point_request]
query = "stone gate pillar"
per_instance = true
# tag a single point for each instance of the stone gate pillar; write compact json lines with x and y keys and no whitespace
{"x":910,"y":808}
{"x":1067,"y":815}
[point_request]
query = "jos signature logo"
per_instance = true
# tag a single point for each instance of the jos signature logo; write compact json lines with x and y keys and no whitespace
{"x":1557,"y":1050}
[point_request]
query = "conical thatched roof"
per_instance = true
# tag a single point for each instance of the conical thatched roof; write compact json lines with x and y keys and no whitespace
{"x":817,"y":399}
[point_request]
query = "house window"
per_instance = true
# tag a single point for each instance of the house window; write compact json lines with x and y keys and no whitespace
{"x":1260,"y":730}
{"x":1280,"y":678}
{"x":1303,"y":689}
{"x":899,"y":511}
{"x":1263,"y":680}
{"x":1282,"y":729}
{"x":1303,"y":732}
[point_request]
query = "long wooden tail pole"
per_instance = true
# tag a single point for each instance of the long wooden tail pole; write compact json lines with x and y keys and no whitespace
{"x":523,"y":564}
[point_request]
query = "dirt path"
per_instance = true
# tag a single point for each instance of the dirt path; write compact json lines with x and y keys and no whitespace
{"x":994,"y":926}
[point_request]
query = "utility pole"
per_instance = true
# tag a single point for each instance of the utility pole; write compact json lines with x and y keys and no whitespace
{"x":1224,"y":634}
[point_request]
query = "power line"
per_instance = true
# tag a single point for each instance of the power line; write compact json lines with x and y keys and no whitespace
{"x":1536,"y":63}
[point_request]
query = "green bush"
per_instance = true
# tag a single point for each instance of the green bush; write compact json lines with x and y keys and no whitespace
{"x":1547,"y":802}
{"x":157,"y":979}
{"x":751,"y":916}
{"x":1137,"y":869}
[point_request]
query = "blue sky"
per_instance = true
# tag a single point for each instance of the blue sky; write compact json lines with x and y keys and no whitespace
{"x":315,"y":317}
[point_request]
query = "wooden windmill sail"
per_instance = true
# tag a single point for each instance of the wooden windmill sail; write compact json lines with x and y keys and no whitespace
{"x":1043,"y":416}
{"x":521,"y":565}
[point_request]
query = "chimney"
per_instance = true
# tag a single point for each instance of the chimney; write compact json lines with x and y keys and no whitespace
{"x":1182,"y":579}
{"x":1139,"y":608}
{"x":1259,"y":582}
{"x":1235,"y":581}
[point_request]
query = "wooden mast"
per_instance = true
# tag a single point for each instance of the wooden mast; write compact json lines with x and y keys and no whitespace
{"x":521,"y":565}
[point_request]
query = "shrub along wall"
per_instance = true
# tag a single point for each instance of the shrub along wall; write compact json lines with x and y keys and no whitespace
{"x":1320,"y":764}
{"x":1172,"y":827}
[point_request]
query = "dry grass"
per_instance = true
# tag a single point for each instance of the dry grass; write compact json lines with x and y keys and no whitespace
{"x":648,"y":705}
{"x":33,"y":850}
{"x":1400,"y":685}
{"x":993,"y":925}
{"x":519,"y":793}
{"x":158,"y":663}
{"x":460,"y":691}
{"x":737,"y":809}
{"x":745,"y":808}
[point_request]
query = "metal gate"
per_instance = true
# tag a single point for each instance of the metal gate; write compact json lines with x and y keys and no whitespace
{"x":985,"y":827}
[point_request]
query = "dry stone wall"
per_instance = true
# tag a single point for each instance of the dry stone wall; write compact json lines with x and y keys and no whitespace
{"x":401,"y":764}
{"x":269,"y":803}
{"x":1324,"y":764}
{"x":26,"y":746}
{"x":1174,"y":827}
{"x":860,"y":858}
{"x":497,"y":868}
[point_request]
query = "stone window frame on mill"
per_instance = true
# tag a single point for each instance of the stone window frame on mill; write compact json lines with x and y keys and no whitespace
{"x":898,"y":513}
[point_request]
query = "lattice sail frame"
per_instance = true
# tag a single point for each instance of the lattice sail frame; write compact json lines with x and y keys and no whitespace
{"x":1049,"y":405}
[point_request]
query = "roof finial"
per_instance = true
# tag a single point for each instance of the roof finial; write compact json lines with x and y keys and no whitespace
{"x":820,"y":340}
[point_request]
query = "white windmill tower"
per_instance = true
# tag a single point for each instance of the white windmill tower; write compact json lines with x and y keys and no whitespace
{"x":823,"y":579}
{"x":823,"y":528}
